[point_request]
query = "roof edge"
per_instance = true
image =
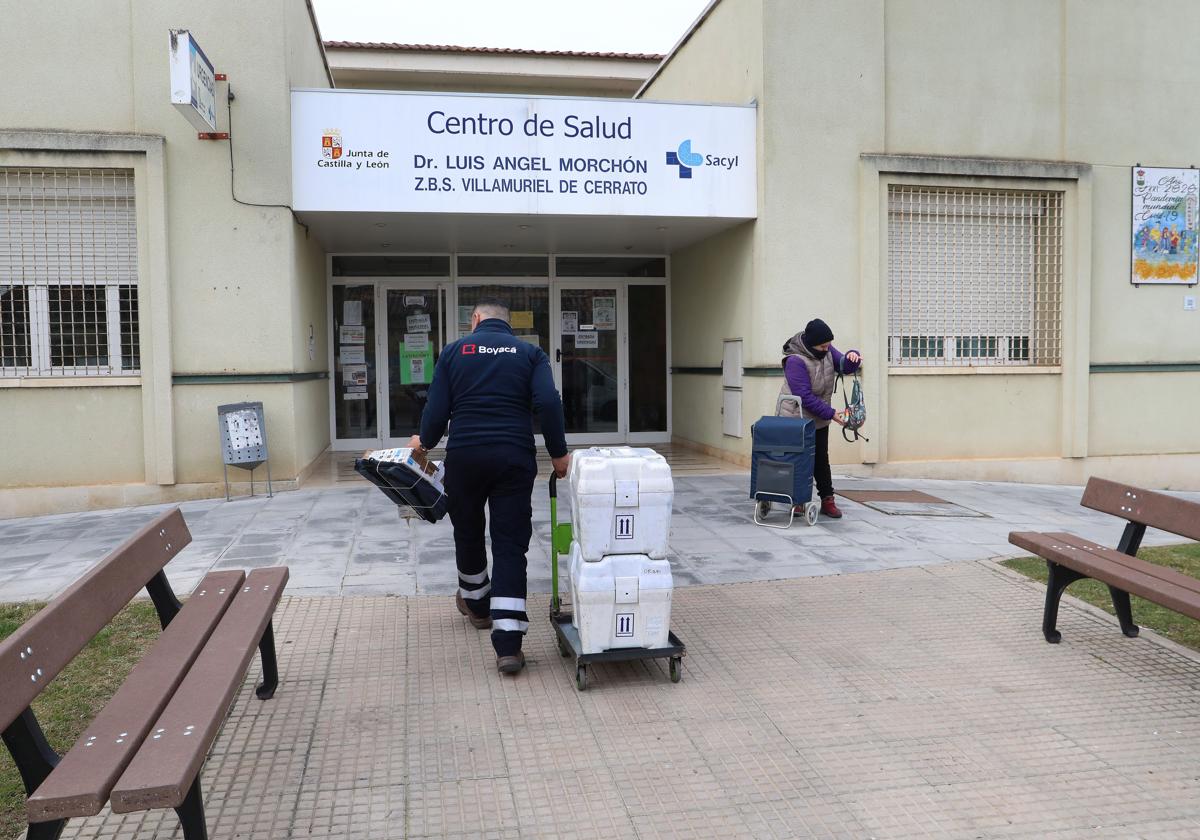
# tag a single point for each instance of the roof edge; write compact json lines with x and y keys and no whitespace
{"x":691,"y":30}
{"x":454,"y":48}
{"x":316,"y":28}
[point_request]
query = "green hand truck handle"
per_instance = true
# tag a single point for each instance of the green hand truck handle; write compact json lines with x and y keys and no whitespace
{"x":560,"y":543}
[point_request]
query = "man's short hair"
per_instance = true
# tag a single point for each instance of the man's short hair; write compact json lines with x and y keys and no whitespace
{"x":491,"y":307}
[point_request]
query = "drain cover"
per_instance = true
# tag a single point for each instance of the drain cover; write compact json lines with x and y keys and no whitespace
{"x":907,"y":503}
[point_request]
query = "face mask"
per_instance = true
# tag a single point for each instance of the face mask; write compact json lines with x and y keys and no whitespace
{"x":817,"y":354}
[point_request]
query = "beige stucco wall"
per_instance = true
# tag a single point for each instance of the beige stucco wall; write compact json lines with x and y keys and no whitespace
{"x":1021,"y":79}
{"x":245,"y":283}
{"x":713,"y":283}
{"x":198,"y":440}
{"x":60,"y":436}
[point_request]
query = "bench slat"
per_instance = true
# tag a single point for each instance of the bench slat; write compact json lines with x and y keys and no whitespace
{"x":1163,"y":573}
{"x":1124,"y":575}
{"x":44,"y":645}
{"x":80,"y":784}
{"x":1158,"y":510}
{"x":163,"y":769}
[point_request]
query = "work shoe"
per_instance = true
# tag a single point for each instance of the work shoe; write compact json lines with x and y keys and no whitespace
{"x":829,"y":508}
{"x":510,"y":664}
{"x":479,"y":622}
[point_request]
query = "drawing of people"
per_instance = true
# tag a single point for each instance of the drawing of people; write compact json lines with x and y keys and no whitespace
{"x":1174,"y":240}
{"x":1154,"y":237}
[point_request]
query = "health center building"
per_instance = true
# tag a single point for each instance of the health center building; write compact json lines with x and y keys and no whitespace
{"x":991,"y":200}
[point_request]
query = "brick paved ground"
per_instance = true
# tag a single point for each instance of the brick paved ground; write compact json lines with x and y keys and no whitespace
{"x":916,"y":702}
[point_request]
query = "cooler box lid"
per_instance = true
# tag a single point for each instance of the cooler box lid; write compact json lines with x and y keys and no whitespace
{"x":611,"y":470}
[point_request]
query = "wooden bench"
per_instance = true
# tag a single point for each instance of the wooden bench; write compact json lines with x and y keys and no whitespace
{"x":1070,"y":558}
{"x":144,"y":750}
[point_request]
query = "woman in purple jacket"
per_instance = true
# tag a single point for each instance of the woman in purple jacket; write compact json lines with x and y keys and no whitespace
{"x":811,"y":365}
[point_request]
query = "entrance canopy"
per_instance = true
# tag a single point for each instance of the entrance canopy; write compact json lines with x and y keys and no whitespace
{"x":437,"y":172}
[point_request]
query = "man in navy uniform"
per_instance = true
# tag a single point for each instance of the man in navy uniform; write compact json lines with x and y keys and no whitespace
{"x":487,"y":386}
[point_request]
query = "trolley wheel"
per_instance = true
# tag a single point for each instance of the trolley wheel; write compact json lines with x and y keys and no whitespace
{"x":763,"y":509}
{"x":563,"y":650}
{"x":810,"y":513}
{"x":581,"y":677}
{"x":676,"y":668}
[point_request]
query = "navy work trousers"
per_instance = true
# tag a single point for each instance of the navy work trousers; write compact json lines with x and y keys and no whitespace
{"x":500,"y":477}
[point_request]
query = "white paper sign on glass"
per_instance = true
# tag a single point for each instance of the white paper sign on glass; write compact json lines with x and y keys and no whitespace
{"x":352,"y":355}
{"x":587,"y":340}
{"x":604,"y":313}
{"x":416,"y":342}
{"x":570,"y":322}
{"x":373,"y":151}
{"x":417,"y":323}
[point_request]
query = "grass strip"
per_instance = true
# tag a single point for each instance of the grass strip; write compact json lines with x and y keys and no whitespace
{"x":73,"y":699}
{"x":1184,"y":558}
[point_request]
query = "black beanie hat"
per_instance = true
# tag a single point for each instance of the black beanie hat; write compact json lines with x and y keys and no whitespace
{"x":817,"y":332}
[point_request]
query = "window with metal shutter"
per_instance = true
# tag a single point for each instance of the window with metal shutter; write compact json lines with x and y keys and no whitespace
{"x":68,"y":272}
{"x":974,"y":276}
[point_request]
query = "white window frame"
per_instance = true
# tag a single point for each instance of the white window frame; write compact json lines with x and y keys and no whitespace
{"x":38,"y":310}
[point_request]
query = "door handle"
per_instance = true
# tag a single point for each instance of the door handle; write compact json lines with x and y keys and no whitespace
{"x":558,"y":355}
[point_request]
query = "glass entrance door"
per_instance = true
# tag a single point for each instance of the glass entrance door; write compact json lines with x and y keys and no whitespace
{"x":590,"y":364}
{"x":415,"y":333}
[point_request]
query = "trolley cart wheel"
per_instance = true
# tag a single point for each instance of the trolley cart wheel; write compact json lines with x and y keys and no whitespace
{"x":763,"y":509}
{"x":581,"y":677}
{"x":810,"y":513}
{"x":676,"y":668}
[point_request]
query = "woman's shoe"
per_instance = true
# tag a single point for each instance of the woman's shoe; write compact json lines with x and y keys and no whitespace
{"x":829,"y":508}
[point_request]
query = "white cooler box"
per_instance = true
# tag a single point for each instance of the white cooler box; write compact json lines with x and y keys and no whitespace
{"x":620,"y":501}
{"x":620,"y":601}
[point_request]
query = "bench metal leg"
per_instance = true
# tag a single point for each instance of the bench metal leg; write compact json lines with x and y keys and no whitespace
{"x":45,"y":830}
{"x":30,"y":750}
{"x":165,"y":603}
{"x":1124,"y":611}
{"x":1060,"y":578}
{"x":35,"y":759}
{"x":266,"y":651}
{"x":191,"y":813}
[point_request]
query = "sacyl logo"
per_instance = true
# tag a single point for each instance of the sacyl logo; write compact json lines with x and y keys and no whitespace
{"x":685,"y":159}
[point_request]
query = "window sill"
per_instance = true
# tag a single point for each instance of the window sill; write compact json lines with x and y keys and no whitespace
{"x":994,"y":370}
{"x":70,"y":381}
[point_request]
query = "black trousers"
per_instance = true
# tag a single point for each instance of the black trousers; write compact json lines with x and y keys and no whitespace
{"x":821,"y":471}
{"x":500,"y":478}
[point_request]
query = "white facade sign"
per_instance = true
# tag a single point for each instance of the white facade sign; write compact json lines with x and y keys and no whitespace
{"x":193,"y":81}
{"x":426,"y":153}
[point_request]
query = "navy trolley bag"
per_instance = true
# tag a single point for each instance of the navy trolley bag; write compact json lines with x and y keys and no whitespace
{"x":783,"y":450}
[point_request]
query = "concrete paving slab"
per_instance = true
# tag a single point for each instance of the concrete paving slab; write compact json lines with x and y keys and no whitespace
{"x":356,"y":529}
